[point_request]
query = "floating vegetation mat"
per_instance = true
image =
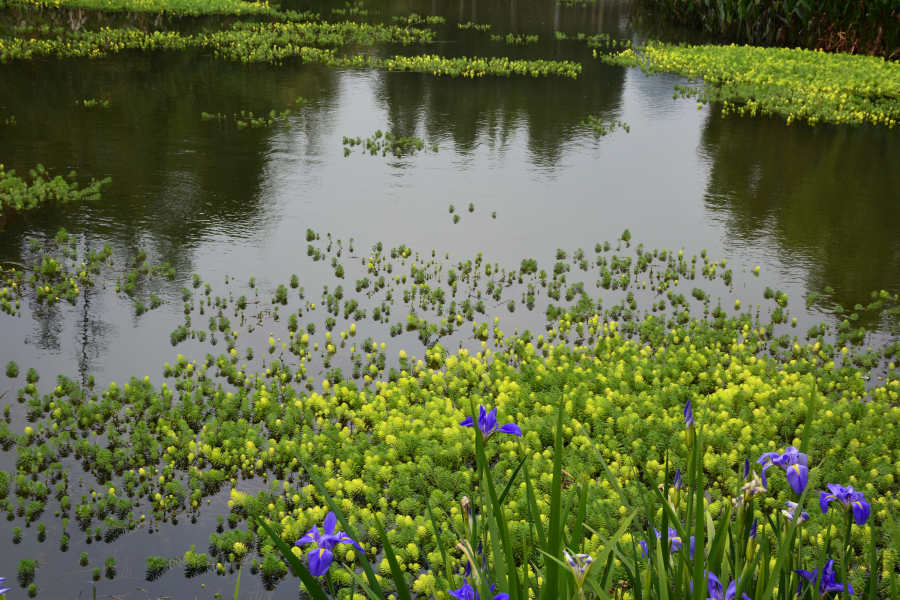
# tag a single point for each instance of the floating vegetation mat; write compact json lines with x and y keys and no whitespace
{"x":515,"y":39}
{"x":390,"y":143}
{"x":178,"y":7}
{"x":274,"y":42}
{"x":597,"y":125}
{"x":21,"y":194}
{"x":801,"y":85}
{"x":93,"y":103}
{"x":471,"y":25}
{"x":414,"y":19}
{"x":385,"y":435}
{"x":246,"y":118}
{"x":601,"y":40}
{"x":50,"y":278}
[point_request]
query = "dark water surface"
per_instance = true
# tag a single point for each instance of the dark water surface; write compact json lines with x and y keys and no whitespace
{"x":813,"y":206}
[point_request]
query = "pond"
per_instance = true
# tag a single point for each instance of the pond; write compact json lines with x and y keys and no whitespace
{"x":814,"y":207}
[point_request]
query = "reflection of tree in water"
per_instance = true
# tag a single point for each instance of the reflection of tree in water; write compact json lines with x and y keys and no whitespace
{"x":173,"y":175}
{"x":825,"y":195}
{"x":490,"y":109}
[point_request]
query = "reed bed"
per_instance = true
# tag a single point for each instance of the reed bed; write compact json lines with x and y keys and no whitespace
{"x":862,"y":27}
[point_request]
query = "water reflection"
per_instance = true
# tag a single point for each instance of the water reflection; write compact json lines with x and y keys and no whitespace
{"x":823,"y":199}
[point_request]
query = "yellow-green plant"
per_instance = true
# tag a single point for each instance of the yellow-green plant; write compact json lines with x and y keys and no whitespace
{"x":801,"y":85}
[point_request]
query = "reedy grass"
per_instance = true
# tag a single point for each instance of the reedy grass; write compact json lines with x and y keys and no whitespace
{"x":866,"y":27}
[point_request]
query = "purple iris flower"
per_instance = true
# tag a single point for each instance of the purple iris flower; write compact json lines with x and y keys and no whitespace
{"x":794,"y":463}
{"x":487,"y":423}
{"x":791,"y":510}
{"x":851,"y":499}
{"x":746,"y":469}
{"x":321,"y":557}
{"x":692,"y":547}
{"x":688,"y":415}
{"x":2,"y":589}
{"x":753,"y":529}
{"x":467,"y":592}
{"x":674,"y":542}
{"x":716,"y":591}
{"x":827,"y":584}
{"x":678,"y":479}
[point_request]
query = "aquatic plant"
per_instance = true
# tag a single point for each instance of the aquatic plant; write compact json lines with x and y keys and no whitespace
{"x":262,"y":44}
{"x":26,"y":569}
{"x":414,"y":19}
{"x":800,"y":85}
{"x":94,"y":103}
{"x":386,"y":143}
{"x":172,"y":7}
{"x":597,"y":125}
{"x":515,"y":39}
{"x":477,"y":27}
{"x":18,"y":194}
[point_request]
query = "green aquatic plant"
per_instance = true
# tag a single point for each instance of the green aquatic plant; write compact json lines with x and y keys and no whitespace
{"x":800,"y":85}
{"x":470,"y":25}
{"x":177,"y":7}
{"x":18,"y":194}
{"x":414,"y":19}
{"x":26,"y":569}
{"x":597,"y":125}
{"x":263,"y":44}
{"x":12,"y":369}
{"x":515,"y":39}
{"x":94,"y":103}
{"x":384,"y":144}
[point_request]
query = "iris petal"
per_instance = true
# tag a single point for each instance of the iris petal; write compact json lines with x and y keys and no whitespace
{"x":320,"y":560}
{"x":330,"y":523}
{"x":511,"y":428}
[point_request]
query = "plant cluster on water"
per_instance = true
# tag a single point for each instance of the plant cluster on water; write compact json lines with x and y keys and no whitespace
{"x":172,"y":7}
{"x":477,"y":27}
{"x":597,"y":125}
{"x":385,"y":443}
{"x":801,"y":85}
{"x":18,"y":194}
{"x":515,"y":39}
{"x":390,"y":143}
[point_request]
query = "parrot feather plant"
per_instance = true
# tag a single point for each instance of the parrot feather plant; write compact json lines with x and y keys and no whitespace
{"x":669,"y":546}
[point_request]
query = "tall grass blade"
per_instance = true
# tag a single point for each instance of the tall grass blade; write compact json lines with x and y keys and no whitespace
{"x":237,"y":585}
{"x":554,"y":536}
{"x":391,"y":556}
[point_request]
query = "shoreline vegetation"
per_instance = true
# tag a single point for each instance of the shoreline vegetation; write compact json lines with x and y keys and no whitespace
{"x":865,"y":27}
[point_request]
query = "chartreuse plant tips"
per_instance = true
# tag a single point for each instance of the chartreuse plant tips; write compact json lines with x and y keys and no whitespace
{"x":619,"y":453}
{"x":799,"y":85}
